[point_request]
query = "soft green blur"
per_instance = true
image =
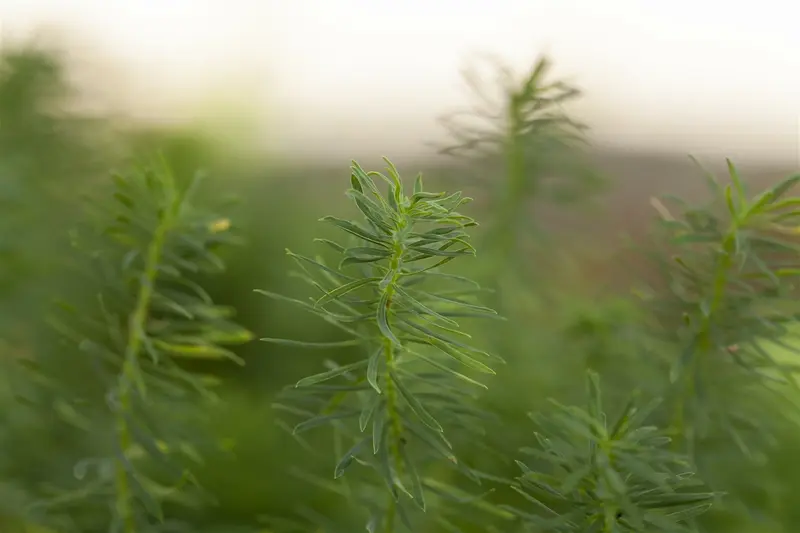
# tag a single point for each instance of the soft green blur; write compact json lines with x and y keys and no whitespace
{"x":571,"y":306}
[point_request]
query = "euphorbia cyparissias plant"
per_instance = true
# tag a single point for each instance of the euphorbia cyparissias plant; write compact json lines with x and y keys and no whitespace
{"x":150,"y":319}
{"x":608,"y":476}
{"x":414,"y":379}
{"x":732,"y":287}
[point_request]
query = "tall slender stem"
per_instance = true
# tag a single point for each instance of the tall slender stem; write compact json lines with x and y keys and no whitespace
{"x":703,"y":342}
{"x":515,"y":184}
{"x":128,"y":375}
{"x":393,"y":413}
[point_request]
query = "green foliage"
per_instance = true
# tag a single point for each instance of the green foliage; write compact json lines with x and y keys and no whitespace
{"x":152,"y":321}
{"x":539,"y":143}
{"x":112,"y":420}
{"x":33,"y":122}
{"x":730,"y":290}
{"x":522,"y":122}
{"x":608,"y":478}
{"x":413,"y":379}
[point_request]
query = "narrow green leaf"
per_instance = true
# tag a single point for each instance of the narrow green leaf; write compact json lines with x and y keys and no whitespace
{"x":355,"y":183}
{"x":729,"y":202}
{"x":418,"y":196}
{"x":301,"y":259}
{"x":348,"y":458}
{"x":374,"y":212}
{"x":366,"y":413}
{"x":383,"y":319}
{"x":321,"y":420}
{"x":347,"y":261}
{"x":342,"y":290}
{"x":375,"y":361}
{"x":356,"y":230}
{"x":761,"y":201}
{"x":124,"y":199}
{"x":397,"y":187}
{"x":737,"y":181}
{"x":303,"y":344}
{"x":441,"y":366}
{"x":330,"y":374}
{"x":366,"y":181}
{"x":422,"y":308}
{"x":197,"y":351}
{"x":434,"y":439}
{"x":336,"y":246}
{"x":429,"y":268}
{"x":415,"y":404}
{"x":378,"y":424}
{"x":426,"y":251}
{"x":418,"y":184}
{"x":416,"y":485}
{"x":459,"y":356}
{"x":391,"y":199}
{"x":447,"y":340}
{"x":366,"y":252}
{"x":783,"y":187}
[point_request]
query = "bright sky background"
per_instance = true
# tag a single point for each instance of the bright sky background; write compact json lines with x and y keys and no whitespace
{"x":703,"y":76}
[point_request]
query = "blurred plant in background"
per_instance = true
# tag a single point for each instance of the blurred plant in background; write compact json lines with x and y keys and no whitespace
{"x":46,"y":153}
{"x":523,"y":122}
{"x":518,"y":129}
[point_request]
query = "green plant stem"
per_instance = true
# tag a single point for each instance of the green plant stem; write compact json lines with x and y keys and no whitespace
{"x":393,"y":413}
{"x":128,"y":376}
{"x":505,"y":233}
{"x":703,"y":342}
{"x":515,"y":162}
{"x":609,"y":523}
{"x":395,"y":429}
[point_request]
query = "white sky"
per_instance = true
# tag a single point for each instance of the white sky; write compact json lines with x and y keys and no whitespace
{"x":703,"y":76}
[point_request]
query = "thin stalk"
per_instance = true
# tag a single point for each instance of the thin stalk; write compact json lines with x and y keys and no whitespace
{"x":703,"y":343}
{"x":128,"y":375}
{"x":395,"y":428}
{"x":610,"y":510}
{"x":503,"y":236}
{"x":506,"y":233}
{"x":515,"y":161}
{"x":609,"y":522}
{"x":393,"y":413}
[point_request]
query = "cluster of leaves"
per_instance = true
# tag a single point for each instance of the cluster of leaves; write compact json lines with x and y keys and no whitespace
{"x":413,"y":380}
{"x":151,"y":322}
{"x":527,"y":110}
{"x":608,"y":478}
{"x":732,"y":292}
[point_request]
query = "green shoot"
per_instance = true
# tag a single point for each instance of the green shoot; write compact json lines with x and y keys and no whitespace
{"x":153,"y":321}
{"x":415,"y":376}
{"x":731,"y":293}
{"x":608,"y":478}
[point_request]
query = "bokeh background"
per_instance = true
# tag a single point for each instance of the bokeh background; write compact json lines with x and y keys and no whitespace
{"x":275,"y":98}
